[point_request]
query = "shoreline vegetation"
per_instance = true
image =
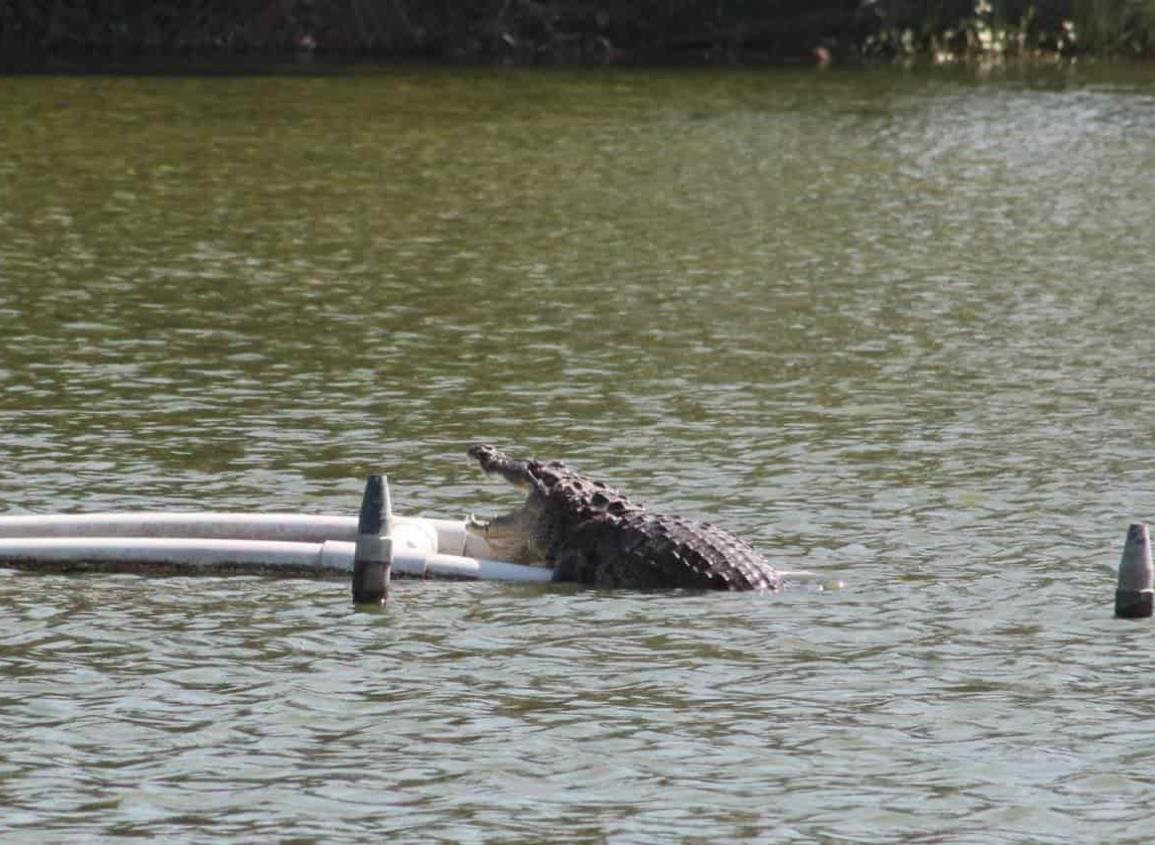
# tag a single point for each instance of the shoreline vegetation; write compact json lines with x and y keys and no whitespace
{"x":48,"y":33}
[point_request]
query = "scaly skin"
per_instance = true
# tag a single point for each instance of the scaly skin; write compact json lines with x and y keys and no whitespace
{"x":592,"y":534}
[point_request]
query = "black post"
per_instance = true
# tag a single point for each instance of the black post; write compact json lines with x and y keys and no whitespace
{"x":1134,"y":596}
{"x":371,"y":560}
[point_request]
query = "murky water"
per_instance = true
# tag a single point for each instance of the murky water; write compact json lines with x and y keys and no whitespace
{"x":894,"y":328}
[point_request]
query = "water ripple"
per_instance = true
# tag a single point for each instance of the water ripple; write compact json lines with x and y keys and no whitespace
{"x":838,"y":314}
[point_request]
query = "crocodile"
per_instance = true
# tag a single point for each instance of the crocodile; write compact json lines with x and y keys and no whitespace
{"x":592,"y":534}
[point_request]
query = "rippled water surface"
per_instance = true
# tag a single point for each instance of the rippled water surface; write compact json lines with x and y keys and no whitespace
{"x":895,"y":328}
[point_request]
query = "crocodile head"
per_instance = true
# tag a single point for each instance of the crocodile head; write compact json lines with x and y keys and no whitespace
{"x":558,"y":501}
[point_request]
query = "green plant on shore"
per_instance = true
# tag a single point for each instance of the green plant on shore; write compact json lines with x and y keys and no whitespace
{"x":987,"y":33}
{"x":1115,"y":27}
{"x":581,"y":31}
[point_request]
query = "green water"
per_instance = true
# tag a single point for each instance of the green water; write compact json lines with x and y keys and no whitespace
{"x":893,"y":327}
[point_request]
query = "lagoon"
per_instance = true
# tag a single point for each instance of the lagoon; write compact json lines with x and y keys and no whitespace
{"x":891,"y":326}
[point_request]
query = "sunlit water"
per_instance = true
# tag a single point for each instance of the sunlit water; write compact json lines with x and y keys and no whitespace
{"x":893,"y":328}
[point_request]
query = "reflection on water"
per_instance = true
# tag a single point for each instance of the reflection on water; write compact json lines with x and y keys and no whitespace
{"x":893,"y":328}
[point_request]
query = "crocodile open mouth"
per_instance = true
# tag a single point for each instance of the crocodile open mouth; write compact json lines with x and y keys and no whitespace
{"x":510,"y":536}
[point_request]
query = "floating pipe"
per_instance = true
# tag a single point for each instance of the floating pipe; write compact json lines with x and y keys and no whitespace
{"x":449,"y":535}
{"x":176,"y":555}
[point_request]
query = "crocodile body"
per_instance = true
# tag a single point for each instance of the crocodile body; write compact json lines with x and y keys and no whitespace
{"x":592,"y":534}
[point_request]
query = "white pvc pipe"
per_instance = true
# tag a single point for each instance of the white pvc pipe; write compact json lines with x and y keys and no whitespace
{"x":468,"y":568}
{"x":304,"y":528}
{"x":451,"y":536}
{"x":258,"y":557}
